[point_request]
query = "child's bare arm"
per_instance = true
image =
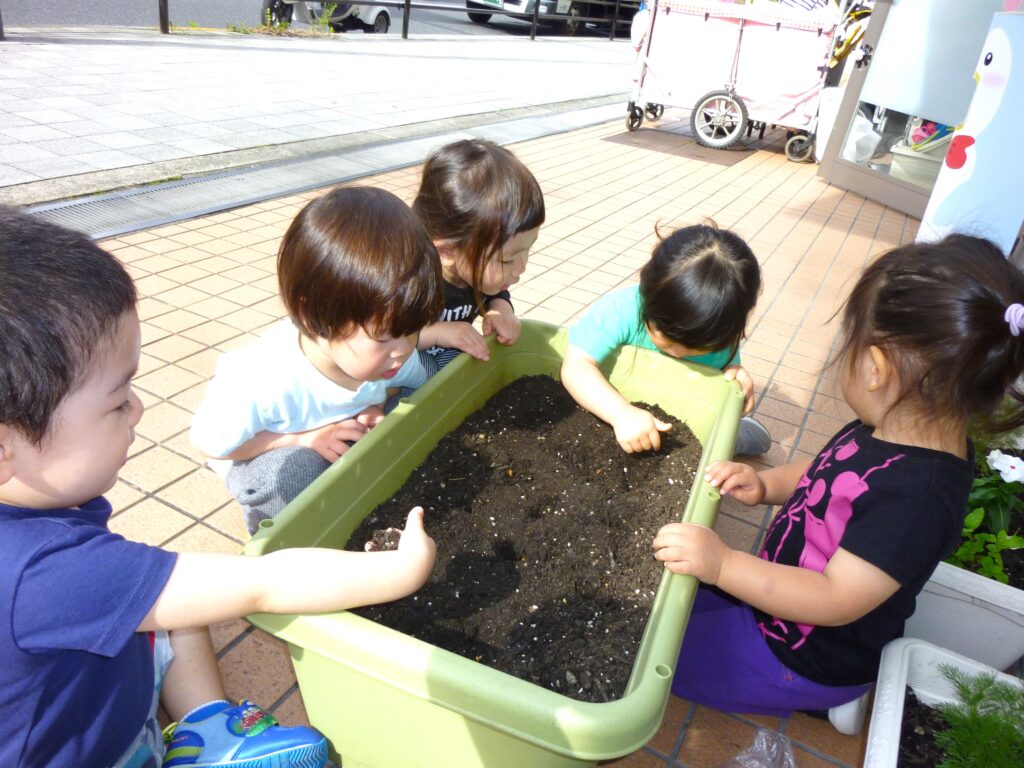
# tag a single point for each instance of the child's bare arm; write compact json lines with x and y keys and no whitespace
{"x":849,"y":587}
{"x":454,"y":335}
{"x":205,"y":588}
{"x":328,"y":441}
{"x":501,"y":319}
{"x":635,"y":428}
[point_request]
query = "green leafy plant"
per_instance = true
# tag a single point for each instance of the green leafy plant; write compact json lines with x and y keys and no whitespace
{"x":994,"y":498}
{"x":323,"y":22}
{"x":986,"y":722}
{"x":995,"y":492}
{"x":981,"y":551}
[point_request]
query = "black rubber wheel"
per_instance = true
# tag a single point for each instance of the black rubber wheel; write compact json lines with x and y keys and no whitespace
{"x":634,"y":118}
{"x":655,"y":111}
{"x":477,"y":17}
{"x":718,"y":119}
{"x":380,"y":25}
{"x":799,"y":147}
{"x":276,"y":13}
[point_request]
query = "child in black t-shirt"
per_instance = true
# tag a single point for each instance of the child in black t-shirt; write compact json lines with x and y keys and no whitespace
{"x":483,"y":209}
{"x":931,"y":340}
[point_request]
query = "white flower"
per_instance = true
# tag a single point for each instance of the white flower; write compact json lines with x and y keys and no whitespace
{"x":1010,"y":468}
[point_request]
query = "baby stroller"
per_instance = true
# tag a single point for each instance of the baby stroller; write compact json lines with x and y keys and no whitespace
{"x":739,"y":68}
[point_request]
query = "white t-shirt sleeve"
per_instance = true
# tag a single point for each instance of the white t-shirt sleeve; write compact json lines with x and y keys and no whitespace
{"x":230,"y":413}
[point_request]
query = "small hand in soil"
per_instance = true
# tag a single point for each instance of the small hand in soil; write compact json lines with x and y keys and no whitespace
{"x":384,"y":540}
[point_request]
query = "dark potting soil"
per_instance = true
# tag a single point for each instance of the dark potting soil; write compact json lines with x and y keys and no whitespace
{"x":543,"y":528}
{"x":917,"y":738}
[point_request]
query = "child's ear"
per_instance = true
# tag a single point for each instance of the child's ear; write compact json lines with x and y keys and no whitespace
{"x":881,"y":373}
{"x":7,"y":441}
{"x":449,"y":258}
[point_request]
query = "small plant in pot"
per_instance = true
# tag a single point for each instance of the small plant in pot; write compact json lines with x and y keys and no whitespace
{"x":982,"y":727}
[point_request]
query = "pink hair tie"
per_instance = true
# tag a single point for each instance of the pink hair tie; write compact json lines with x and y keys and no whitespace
{"x":1014,"y":316}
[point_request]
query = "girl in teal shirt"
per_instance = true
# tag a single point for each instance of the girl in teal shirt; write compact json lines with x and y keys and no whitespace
{"x":693,"y":301}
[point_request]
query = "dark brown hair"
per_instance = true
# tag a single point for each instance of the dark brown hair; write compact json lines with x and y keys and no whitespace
{"x":937,"y":309}
{"x":61,"y":295}
{"x":359,"y":257}
{"x":699,"y":287}
{"x":475,"y":196}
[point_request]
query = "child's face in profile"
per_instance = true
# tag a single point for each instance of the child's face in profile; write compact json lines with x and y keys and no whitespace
{"x":80,"y":457}
{"x":503,"y":269}
{"x":360,"y":356}
{"x":669,"y":347}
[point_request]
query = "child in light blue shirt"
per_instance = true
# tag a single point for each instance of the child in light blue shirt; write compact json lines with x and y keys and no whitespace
{"x":693,"y":301}
{"x":360,"y":278}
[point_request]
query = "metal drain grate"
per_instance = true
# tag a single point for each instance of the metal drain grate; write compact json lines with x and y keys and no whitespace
{"x":116,"y":213}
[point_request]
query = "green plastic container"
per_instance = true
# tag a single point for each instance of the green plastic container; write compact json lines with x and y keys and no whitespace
{"x":386,"y":700}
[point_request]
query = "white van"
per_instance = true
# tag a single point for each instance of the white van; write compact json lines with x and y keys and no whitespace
{"x":479,"y":12}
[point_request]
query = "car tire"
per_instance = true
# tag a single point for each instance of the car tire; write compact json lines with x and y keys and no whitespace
{"x":276,"y":13}
{"x":477,"y":16}
{"x":380,"y":25}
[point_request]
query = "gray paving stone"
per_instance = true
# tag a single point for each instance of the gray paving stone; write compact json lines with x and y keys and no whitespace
{"x":121,"y":140}
{"x":70,"y":146}
{"x":9,"y":175}
{"x":111,"y":158}
{"x":53,"y":167}
{"x":34,"y":132}
{"x":12,"y":153}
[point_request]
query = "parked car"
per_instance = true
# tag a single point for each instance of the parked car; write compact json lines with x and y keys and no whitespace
{"x":480,"y":12}
{"x":344,"y":16}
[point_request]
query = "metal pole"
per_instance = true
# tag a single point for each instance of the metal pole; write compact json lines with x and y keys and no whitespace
{"x":615,"y":18}
{"x":405,"y":19}
{"x":165,"y":19}
{"x":536,"y":14}
{"x":2,"y":37}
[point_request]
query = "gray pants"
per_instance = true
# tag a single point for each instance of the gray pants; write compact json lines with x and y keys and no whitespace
{"x":432,"y":364}
{"x":265,"y":484}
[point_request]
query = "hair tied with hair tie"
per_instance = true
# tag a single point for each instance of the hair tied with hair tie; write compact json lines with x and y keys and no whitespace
{"x":1014,"y":316}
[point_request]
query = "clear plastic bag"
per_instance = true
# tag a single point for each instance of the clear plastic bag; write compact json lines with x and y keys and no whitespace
{"x":862,"y":140}
{"x":769,"y":750}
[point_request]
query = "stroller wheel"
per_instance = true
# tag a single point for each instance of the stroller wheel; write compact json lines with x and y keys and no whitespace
{"x":718,"y":119}
{"x":635,"y":118}
{"x":799,"y":147}
{"x":655,"y":111}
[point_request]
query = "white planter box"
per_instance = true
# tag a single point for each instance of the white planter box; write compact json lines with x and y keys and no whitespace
{"x":972,"y":615}
{"x":914,"y":663}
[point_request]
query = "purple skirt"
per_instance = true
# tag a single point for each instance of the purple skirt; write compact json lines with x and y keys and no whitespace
{"x":726,"y":664}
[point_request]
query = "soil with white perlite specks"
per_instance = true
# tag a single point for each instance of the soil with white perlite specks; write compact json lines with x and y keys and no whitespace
{"x":543,"y":528}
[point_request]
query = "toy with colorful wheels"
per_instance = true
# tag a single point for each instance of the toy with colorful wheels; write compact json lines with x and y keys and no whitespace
{"x":718,"y":119}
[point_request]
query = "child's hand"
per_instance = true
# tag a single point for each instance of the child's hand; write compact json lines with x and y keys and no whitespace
{"x":459,"y":335}
{"x":733,"y":478}
{"x":690,"y":549}
{"x":637,"y":430}
{"x":371,"y":417}
{"x":739,"y":373}
{"x":417,"y":545}
{"x":502,"y":321}
{"x":330,"y":440}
